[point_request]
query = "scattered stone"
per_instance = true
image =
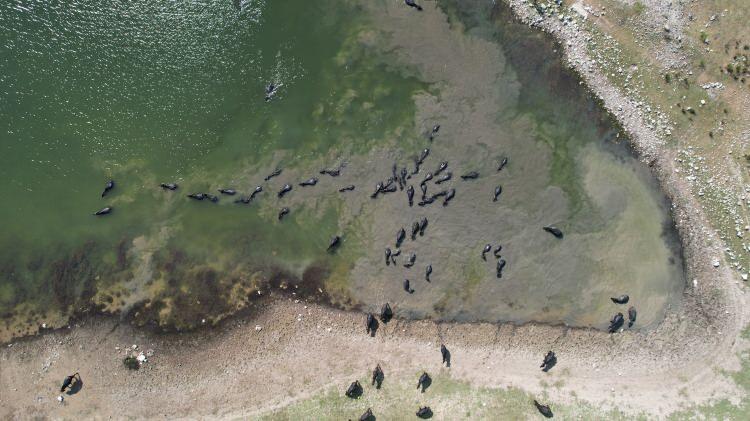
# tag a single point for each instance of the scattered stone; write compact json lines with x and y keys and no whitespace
{"x":716,"y":263}
{"x":258,"y":328}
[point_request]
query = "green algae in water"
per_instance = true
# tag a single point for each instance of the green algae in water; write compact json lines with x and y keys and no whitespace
{"x":184,"y":103}
{"x":146,"y":93}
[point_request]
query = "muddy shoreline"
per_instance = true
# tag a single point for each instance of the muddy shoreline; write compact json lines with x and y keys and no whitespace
{"x":696,"y":337}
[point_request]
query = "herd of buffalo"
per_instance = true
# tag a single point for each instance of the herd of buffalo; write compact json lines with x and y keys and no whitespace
{"x":399,"y":180}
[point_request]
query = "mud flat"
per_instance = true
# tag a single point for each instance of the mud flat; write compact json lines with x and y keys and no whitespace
{"x":302,"y":348}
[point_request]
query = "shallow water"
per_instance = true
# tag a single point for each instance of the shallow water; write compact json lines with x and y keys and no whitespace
{"x":145,"y":93}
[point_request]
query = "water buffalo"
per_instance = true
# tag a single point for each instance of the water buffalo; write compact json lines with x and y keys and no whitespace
{"x":169,"y":186}
{"x":622,"y":299}
{"x":367,"y":415}
{"x":631,"y":316}
{"x":410,"y":195}
{"x":498,"y":192}
{"x":407,"y":287}
{"x":500,"y":266}
{"x":424,"y":412}
{"x":444,"y":178}
{"x":197,"y":196}
{"x":335,"y":241}
{"x":472,"y":175}
{"x":554,"y":231}
{"x":283,"y":212}
{"x":350,"y":187}
{"x":410,"y":262}
{"x":273,"y":174}
{"x":502,"y":164}
{"x":434,"y":132}
{"x":543,"y":409}
{"x":284,"y":190}
{"x":354,"y":390}
{"x":414,"y":230}
{"x":424,"y":381}
{"x":442,"y":167}
{"x":497,"y":251}
{"x":309,"y":182}
{"x":616,"y":323}
{"x":549,"y":361}
{"x":377,"y":376}
{"x":107,"y":187}
{"x":446,"y":355}
{"x":228,"y":192}
{"x":412,"y":4}
{"x":427,"y":273}
{"x":255,"y":192}
{"x":69,"y":381}
{"x":103,"y":211}
{"x":387,"y":256}
{"x":422,"y":226}
{"x":400,"y":236}
{"x":486,"y":250}
{"x":386,"y":314}
{"x":449,"y":197}
{"x":371,"y":325}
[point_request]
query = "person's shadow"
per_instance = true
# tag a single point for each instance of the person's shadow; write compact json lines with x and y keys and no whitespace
{"x":76,"y":386}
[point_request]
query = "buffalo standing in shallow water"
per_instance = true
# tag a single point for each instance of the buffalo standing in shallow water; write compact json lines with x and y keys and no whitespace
{"x":449,"y":197}
{"x":335,"y":241}
{"x":284,"y":190}
{"x":400,"y":236}
{"x":554,"y":231}
{"x":104,"y":211}
{"x":472,"y":175}
{"x":486,"y":250}
{"x":623,"y":299}
{"x":169,"y":186}
{"x":631,"y":316}
{"x":283,"y":212}
{"x":500,"y":266}
{"x":275,"y":173}
{"x":616,"y":323}
{"x":107,"y":187}
{"x":407,"y":287}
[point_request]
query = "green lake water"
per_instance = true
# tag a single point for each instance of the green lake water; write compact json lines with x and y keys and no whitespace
{"x":147,"y":92}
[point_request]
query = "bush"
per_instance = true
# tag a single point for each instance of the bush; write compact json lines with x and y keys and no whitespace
{"x":131,"y":363}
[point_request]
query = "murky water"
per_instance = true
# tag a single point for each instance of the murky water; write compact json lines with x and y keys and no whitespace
{"x":145,"y":93}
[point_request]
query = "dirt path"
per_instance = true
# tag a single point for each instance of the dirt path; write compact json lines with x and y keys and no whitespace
{"x":302,"y":349}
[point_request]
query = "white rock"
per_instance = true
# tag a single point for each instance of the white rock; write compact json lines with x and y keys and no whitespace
{"x":716,"y":263}
{"x":60,"y":398}
{"x":744,"y":276}
{"x":258,"y":328}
